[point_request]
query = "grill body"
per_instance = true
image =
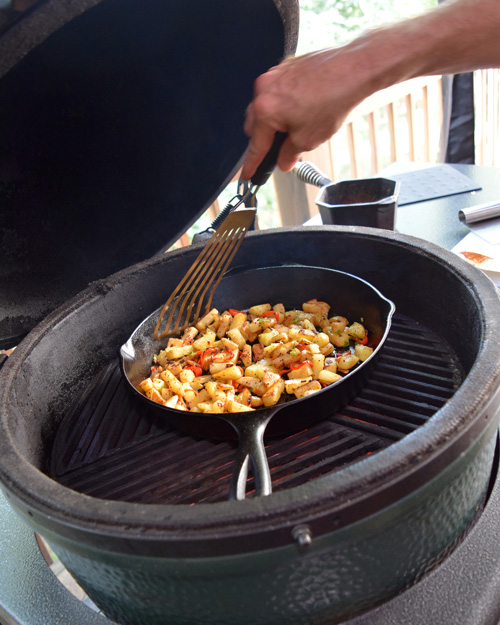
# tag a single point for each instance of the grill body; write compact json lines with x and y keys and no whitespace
{"x":376,"y":525}
{"x":339,"y":575}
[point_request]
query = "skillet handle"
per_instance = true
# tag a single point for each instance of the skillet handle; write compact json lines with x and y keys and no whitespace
{"x":251,"y":451}
{"x":308,"y":172}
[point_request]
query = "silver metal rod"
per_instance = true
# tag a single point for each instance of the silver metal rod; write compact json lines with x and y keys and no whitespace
{"x":480,"y":212}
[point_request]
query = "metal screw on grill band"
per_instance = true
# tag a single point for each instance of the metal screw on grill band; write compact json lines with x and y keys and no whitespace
{"x":303,"y":535}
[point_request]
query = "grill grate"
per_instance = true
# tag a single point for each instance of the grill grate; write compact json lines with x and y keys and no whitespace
{"x":111,"y":446}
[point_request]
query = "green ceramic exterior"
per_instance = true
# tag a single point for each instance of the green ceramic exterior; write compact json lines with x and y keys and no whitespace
{"x":338,"y":575}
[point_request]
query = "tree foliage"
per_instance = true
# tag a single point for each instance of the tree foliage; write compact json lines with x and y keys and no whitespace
{"x":331,"y":22}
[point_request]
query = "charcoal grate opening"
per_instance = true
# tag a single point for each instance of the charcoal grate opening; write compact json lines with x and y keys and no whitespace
{"x":112,"y":446}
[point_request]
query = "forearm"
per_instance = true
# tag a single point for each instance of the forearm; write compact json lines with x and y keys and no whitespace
{"x":310,"y":96}
{"x":459,"y":36}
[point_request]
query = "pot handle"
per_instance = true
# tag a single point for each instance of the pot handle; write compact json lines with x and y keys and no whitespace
{"x":308,"y":172}
{"x":250,"y":428}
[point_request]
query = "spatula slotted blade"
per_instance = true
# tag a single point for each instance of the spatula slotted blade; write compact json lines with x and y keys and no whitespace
{"x":193,"y":296}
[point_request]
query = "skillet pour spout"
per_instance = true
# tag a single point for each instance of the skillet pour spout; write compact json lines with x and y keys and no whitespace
{"x":348,"y":295}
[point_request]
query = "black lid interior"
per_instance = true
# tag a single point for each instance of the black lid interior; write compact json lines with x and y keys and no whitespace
{"x":119,"y":128}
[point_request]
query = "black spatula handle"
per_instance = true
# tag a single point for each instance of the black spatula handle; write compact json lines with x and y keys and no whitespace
{"x":266,"y":168}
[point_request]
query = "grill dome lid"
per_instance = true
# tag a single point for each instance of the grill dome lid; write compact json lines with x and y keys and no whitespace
{"x":121,"y":122}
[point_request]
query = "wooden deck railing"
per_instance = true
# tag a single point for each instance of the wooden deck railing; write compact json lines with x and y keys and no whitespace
{"x":401,"y":123}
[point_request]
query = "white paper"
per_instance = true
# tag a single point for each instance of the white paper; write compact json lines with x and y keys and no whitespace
{"x":473,"y":244}
{"x":489,"y":230}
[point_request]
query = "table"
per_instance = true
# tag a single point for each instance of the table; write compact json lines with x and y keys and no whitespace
{"x":437,"y":220}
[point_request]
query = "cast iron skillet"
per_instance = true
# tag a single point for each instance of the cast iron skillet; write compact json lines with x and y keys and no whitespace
{"x":291,"y":285}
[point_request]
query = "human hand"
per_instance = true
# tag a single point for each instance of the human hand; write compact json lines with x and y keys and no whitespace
{"x":308,"y":97}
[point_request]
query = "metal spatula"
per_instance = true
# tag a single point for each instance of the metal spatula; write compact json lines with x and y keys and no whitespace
{"x":193,"y":296}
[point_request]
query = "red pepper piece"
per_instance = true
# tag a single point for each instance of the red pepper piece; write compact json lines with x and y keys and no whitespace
{"x":224,"y":356}
{"x":207,"y":352}
{"x":233,"y":311}
{"x":272,"y":313}
{"x":196,"y":370}
{"x":361,"y":342}
{"x":298,"y":365}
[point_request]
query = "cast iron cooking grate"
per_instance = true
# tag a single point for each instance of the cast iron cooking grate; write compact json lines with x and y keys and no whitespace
{"x":110,"y":445}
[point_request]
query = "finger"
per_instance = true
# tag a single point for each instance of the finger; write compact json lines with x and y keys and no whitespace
{"x":288,"y":156}
{"x":249,"y":121}
{"x":260,"y":144}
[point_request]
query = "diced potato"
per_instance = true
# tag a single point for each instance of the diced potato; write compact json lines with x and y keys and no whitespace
{"x":210,"y":317}
{"x":294,"y":333}
{"x":256,"y":370}
{"x":291,"y":385}
{"x":187,"y":375}
{"x":234,"y":406}
{"x":318,"y":361}
{"x":280,"y":309}
{"x":237,"y":337}
{"x":356,"y":330}
{"x":267,"y":337}
{"x":306,"y":389}
{"x":250,"y":336}
{"x":313,"y":348}
{"x":338,"y":324}
{"x":328,"y":377}
{"x":224,"y":324}
{"x":167,"y":376}
{"x":330,"y":365}
{"x":339,"y":339}
{"x":246,"y":355}
{"x":254,"y":384}
{"x":205,"y":341}
{"x":230,"y":345}
{"x":327,"y":349}
{"x":258,"y":352}
{"x":270,"y":378}
{"x":302,"y":372}
{"x":347,"y":362}
{"x":146,"y":385}
{"x":256,"y":402}
{"x":155,"y":395}
{"x":259,"y":310}
{"x":175,"y":386}
{"x":321,"y":339}
{"x":174,"y":366}
{"x":269,"y":350}
{"x":230,"y":373}
{"x":363,"y":352}
{"x":176,"y":402}
{"x":226,"y":356}
{"x":308,"y":324}
{"x":202,"y":396}
{"x":245,"y":397}
{"x":311,"y":392}
{"x":249,"y":355}
{"x":189,"y":333}
{"x":188,"y":392}
{"x":307,"y":335}
{"x":173,"y":353}
{"x":238,"y":320}
{"x":218,"y":406}
{"x":273,"y":394}
{"x":313,"y":306}
{"x":205,"y":406}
